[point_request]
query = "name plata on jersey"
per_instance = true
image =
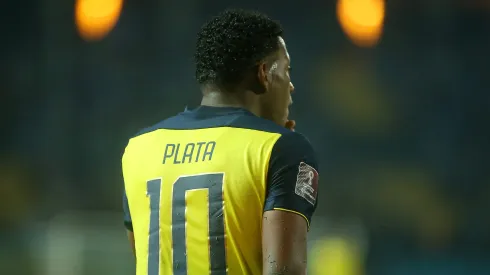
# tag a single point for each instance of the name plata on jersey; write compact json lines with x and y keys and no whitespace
{"x":191,"y":153}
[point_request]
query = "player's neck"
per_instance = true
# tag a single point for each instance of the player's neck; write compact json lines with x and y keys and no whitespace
{"x":223,"y":99}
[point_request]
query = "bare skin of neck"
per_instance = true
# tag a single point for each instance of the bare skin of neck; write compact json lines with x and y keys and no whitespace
{"x":246,"y":100}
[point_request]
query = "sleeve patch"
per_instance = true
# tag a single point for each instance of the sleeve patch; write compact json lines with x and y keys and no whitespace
{"x":307,"y":183}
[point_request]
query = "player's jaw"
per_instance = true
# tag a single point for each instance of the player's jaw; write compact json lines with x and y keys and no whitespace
{"x":282,"y":114}
{"x":286,"y":112}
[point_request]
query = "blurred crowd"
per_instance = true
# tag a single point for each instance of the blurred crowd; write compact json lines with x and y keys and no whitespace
{"x":400,"y":127}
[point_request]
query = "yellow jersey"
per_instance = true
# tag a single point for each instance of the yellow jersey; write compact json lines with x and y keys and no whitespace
{"x":197,"y":185}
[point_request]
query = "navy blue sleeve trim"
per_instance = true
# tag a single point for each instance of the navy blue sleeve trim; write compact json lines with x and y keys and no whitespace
{"x":128,"y":223}
{"x":129,"y":226}
{"x":292,"y":181}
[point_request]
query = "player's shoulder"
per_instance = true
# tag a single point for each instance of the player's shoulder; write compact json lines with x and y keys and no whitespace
{"x":293,"y":145}
{"x":293,"y":139}
{"x":259,"y":124}
{"x":287,"y":139}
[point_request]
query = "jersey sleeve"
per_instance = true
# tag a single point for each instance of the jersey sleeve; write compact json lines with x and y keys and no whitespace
{"x":292,"y":179}
{"x":128,"y":223}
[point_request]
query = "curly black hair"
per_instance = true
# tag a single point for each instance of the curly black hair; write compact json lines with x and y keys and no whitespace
{"x":231,"y":44}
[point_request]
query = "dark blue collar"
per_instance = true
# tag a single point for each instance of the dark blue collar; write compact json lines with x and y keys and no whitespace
{"x":216,"y":111}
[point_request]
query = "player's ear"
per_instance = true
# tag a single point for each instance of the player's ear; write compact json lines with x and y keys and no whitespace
{"x":262,"y":79}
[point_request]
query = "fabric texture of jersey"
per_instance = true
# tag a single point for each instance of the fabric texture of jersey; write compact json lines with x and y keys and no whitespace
{"x":197,"y":184}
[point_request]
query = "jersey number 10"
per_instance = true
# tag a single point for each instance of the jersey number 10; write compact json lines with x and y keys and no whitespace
{"x":216,"y":239}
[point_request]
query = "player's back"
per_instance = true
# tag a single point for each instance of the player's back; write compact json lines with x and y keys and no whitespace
{"x":196,"y":187}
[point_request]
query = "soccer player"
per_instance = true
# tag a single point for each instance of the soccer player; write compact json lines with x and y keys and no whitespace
{"x":225,"y":188}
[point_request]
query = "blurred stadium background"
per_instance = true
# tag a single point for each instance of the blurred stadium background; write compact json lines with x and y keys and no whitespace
{"x":394,"y":96}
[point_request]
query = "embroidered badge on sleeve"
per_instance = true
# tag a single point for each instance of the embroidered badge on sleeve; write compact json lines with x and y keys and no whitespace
{"x":307,"y":183}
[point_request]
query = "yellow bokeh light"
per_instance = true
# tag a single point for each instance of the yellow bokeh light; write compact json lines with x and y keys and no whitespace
{"x":361,"y":20}
{"x":96,"y":18}
{"x":336,"y":255}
